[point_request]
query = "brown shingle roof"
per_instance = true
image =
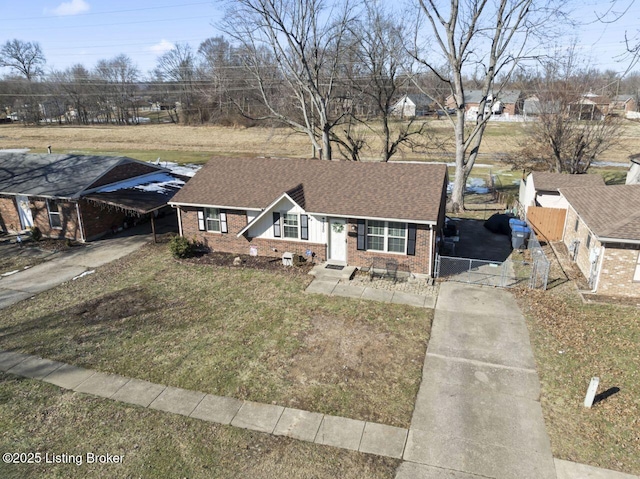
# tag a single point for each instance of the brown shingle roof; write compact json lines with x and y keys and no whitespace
{"x":609,"y":211}
{"x":545,"y":181}
{"x":409,"y":191}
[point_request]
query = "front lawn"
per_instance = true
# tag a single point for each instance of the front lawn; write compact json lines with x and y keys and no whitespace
{"x":37,"y":417}
{"x":572,"y":343}
{"x":238,"y":332}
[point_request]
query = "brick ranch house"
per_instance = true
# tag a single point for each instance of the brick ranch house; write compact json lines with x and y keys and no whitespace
{"x":79,"y":197}
{"x":602,"y":233}
{"x":337,"y":211}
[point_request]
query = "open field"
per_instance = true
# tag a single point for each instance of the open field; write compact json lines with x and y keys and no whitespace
{"x":39,"y":417}
{"x":573,"y":342}
{"x":246,"y":333}
{"x":197,"y":143}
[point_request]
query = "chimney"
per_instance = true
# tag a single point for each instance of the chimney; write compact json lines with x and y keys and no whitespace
{"x":49,"y":149}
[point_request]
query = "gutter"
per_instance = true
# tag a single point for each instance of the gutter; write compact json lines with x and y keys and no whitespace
{"x":600,"y":260}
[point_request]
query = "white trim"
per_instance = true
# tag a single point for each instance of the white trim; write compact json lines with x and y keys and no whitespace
{"x":375,"y":218}
{"x":55,"y":213}
{"x":80,"y":221}
{"x":179,"y":220}
{"x":619,"y":240}
{"x":385,"y":237}
{"x":203,"y":205}
{"x":269,"y":209}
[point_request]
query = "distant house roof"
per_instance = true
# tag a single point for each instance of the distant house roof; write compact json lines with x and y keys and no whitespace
{"x":505,"y":96}
{"x":58,"y":176}
{"x":402,"y":191}
{"x":419,"y":99}
{"x":624,"y":98}
{"x":545,"y":181}
{"x":611,"y":212}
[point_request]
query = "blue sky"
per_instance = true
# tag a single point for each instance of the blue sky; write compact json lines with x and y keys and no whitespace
{"x":85,"y":31}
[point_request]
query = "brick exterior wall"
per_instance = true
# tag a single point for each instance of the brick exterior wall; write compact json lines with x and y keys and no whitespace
{"x":582,"y":258}
{"x":618,"y":268}
{"x":123,"y":172}
{"x":236,"y":220}
{"x":98,"y":221}
{"x":618,"y":264}
{"x":230,"y":243}
{"x":9,"y":216}
{"x":70,"y":226}
{"x":416,"y":264}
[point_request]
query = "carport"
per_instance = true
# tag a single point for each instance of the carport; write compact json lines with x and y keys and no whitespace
{"x":136,"y":203}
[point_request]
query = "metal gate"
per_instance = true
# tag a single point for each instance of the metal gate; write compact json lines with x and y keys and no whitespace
{"x":533,"y":272}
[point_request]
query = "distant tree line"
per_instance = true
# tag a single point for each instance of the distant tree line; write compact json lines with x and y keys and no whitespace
{"x":326,"y":69}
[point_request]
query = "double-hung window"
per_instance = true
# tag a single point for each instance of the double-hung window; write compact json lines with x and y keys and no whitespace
{"x":212,"y":219}
{"x":387,"y":236}
{"x":55,"y":219}
{"x":290,"y":225}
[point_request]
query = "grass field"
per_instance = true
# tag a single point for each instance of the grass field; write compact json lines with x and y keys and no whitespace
{"x":197,"y":143}
{"x":246,"y":333}
{"x":39,"y":417}
{"x":574,"y":342}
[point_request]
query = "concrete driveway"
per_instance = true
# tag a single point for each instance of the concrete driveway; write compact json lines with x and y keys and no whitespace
{"x":478,"y":413}
{"x":66,"y":265}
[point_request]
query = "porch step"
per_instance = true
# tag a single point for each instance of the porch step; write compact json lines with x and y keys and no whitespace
{"x":321,"y":272}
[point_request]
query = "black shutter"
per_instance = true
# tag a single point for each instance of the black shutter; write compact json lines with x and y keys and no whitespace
{"x":276,"y":225}
{"x":362,"y":235}
{"x":201,"y":220}
{"x":304,"y":227}
{"x":223,"y":222}
{"x":411,"y":239}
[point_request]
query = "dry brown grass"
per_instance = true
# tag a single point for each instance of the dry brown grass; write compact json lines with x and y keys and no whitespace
{"x":152,"y":140}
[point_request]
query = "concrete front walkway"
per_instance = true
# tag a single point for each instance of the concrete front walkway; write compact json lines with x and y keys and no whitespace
{"x":477,"y":412}
{"x":334,"y":287}
{"x":342,"y":432}
{"x":66,"y":265}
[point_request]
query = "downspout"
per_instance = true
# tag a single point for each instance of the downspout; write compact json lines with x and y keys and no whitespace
{"x":432,"y":252}
{"x":601,"y":261}
{"x":82,"y":236}
{"x":179,"y":221}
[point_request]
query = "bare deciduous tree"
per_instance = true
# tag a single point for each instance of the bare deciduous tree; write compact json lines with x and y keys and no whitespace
{"x":381,"y":58}
{"x":26,"y":58}
{"x":487,"y":39}
{"x":298,"y":44}
{"x":569,"y":131}
{"x":177,"y":68}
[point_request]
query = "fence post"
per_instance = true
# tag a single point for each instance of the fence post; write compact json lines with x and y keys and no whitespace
{"x":469,"y":270}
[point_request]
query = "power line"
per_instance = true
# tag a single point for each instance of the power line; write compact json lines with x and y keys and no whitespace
{"x":116,"y":11}
{"x":107,"y":24}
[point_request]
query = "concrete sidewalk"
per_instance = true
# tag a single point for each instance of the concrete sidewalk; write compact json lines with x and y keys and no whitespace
{"x":334,"y":287}
{"x":342,"y":432}
{"x":66,"y":265}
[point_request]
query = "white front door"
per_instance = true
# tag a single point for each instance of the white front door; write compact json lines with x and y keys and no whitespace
{"x":338,"y":240}
{"x":24,"y":210}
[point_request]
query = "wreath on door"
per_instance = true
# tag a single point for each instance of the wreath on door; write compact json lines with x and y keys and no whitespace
{"x":337,"y":227}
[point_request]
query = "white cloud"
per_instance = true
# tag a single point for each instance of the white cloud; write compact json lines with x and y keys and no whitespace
{"x":74,"y":7}
{"x":162,"y":47}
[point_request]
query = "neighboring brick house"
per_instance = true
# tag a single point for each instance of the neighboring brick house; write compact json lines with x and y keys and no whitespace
{"x":338,"y":211}
{"x":602,"y":233}
{"x":507,"y":102}
{"x":79,"y":197}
